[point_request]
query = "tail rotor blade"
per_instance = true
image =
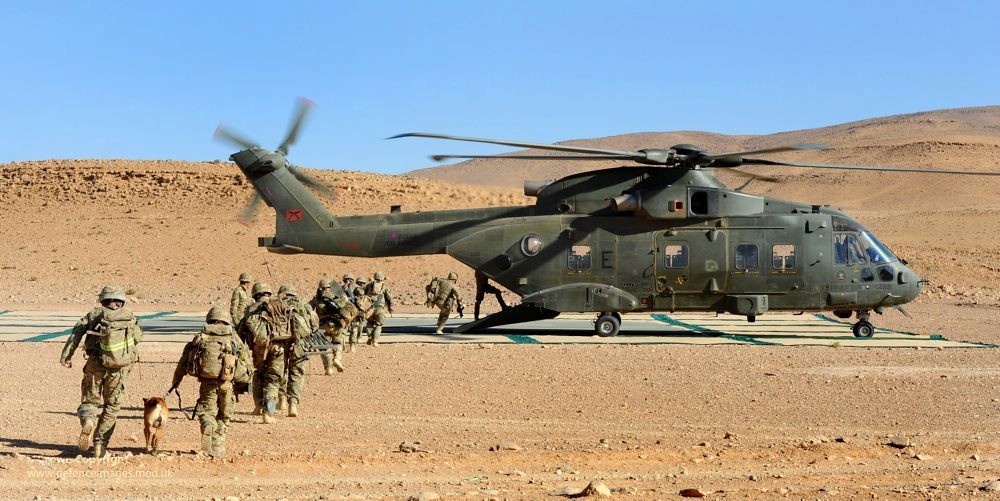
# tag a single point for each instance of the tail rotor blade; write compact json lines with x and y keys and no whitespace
{"x":301,"y":110}
{"x":249,"y":212}
{"x":224,"y":134}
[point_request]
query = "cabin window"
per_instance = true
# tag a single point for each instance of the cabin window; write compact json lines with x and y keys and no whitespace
{"x":847,"y":250}
{"x":530,"y":245}
{"x":675,"y":256}
{"x":579,"y":258}
{"x":699,"y":203}
{"x":783,"y":257}
{"x":746,"y":257}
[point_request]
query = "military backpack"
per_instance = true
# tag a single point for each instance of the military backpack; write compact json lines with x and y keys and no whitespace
{"x":438,"y":291}
{"x":214,"y":353}
{"x":282,"y":322}
{"x":118,"y":333}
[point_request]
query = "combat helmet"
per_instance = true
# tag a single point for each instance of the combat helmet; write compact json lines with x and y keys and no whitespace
{"x":379,"y":275}
{"x":361,"y":280}
{"x":347,"y":276}
{"x":245,"y":277}
{"x":219,"y":314}
{"x":325,"y":284}
{"x":111,"y":292}
{"x":288,"y":290}
{"x":453,"y":276}
{"x":260,"y":288}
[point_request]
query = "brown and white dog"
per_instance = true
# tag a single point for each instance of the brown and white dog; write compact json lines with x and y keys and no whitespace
{"x":155,"y":415}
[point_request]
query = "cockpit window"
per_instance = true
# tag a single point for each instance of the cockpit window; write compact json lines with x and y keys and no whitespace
{"x":841,"y":223}
{"x":877,"y":251}
{"x":848,"y":251}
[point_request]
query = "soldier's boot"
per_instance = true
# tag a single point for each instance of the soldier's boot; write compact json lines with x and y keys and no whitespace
{"x":352,"y":346}
{"x":100,"y":450}
{"x":207,"y":431}
{"x":440,"y":326}
{"x":293,"y":409}
{"x":258,"y":409}
{"x":86,"y":431}
{"x":376,"y":333}
{"x":268,"y":411}
{"x":328,"y":363}
{"x":337,"y":362}
{"x":218,"y":446}
{"x":282,"y":400}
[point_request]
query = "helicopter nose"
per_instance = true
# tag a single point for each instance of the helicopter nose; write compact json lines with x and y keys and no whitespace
{"x":909,"y":282}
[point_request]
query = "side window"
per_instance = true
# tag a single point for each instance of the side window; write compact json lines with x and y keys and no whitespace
{"x":783,"y":257}
{"x":675,"y":256}
{"x":699,"y":203}
{"x":746,"y":257}
{"x":579,"y":258}
{"x":848,"y":251}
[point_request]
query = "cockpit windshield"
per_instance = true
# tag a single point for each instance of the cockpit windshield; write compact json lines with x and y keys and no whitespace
{"x":877,"y":251}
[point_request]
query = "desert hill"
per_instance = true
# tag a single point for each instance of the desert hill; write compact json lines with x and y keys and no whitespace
{"x":166,"y":230}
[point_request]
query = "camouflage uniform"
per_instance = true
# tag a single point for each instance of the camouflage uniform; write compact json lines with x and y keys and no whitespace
{"x":240,"y":300}
{"x":101,"y":385}
{"x":333,"y":331}
{"x":360,"y":284}
{"x":216,"y":399}
{"x":261,"y":293}
{"x":452,"y":296}
{"x":288,"y":356}
{"x":352,"y":290}
{"x":378,"y":291}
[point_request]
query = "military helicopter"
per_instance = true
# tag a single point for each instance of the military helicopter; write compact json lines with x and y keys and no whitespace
{"x":660,"y":234}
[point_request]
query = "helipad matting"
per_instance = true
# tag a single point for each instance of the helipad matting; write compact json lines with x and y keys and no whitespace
{"x":657,"y":328}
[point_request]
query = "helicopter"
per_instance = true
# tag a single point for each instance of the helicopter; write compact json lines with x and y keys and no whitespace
{"x":660,"y":233}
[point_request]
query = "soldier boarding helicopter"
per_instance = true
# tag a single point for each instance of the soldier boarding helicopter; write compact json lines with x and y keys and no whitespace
{"x":664,"y":235}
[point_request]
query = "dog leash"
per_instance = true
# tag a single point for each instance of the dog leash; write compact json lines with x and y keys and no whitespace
{"x":180,"y":405}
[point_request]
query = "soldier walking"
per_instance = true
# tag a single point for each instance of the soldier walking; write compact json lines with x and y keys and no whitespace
{"x":241,"y":299}
{"x":322,"y":305}
{"x":112,"y":335}
{"x":261,"y":294}
{"x":212,"y":357}
{"x":379,"y":293}
{"x":445,"y":295}
{"x":353,"y":291}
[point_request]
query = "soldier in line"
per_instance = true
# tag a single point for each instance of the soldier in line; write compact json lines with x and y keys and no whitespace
{"x":354,"y":328}
{"x":364,"y":304}
{"x":378,"y":291}
{"x":296,"y":360}
{"x":241,"y":299}
{"x":483,"y":287}
{"x":212,"y":358}
{"x":261,"y":294}
{"x":112,"y":335}
{"x":446,"y":296}
{"x":321,"y":305}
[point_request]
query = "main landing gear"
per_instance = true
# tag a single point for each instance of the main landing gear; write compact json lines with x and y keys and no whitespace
{"x":863,"y":328}
{"x":607,"y":324}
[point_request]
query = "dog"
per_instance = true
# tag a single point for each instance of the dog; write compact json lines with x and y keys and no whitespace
{"x":155,"y":415}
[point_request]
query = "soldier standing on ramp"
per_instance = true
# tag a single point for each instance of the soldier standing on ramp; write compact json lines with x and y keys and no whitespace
{"x":112,"y":335}
{"x":241,"y":299}
{"x":483,"y":287}
{"x":378,"y":291}
{"x":445,"y":295}
{"x":218,"y":358}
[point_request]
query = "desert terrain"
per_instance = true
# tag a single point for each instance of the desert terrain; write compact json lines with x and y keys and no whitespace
{"x":646,"y":421}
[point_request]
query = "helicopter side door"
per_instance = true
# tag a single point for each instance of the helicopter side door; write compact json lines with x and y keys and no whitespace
{"x":690,"y":267}
{"x":746,"y":266}
{"x":782,"y":265}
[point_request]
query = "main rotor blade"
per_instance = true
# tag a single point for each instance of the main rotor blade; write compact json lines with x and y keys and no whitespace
{"x":759,"y":161}
{"x":304,"y":178}
{"x":249,"y":212}
{"x":224,"y":134}
{"x":777,"y":149}
{"x":441,"y":158}
{"x":301,"y":110}
{"x":521,"y":144}
{"x":750,"y":175}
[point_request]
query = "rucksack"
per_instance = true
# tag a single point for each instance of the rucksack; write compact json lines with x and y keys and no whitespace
{"x":213,"y":354}
{"x":119,"y":336}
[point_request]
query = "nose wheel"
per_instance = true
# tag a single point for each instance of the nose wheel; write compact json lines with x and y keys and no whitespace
{"x":863,"y":328}
{"x":607,"y":324}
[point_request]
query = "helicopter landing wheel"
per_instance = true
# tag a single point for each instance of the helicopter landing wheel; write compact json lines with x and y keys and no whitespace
{"x":863,"y":329}
{"x":607,"y":324}
{"x":618,"y":316}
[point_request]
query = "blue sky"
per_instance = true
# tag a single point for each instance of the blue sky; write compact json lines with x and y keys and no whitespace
{"x":151,"y":80}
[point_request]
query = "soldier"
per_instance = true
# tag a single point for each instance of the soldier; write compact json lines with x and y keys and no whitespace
{"x":445,"y":296}
{"x":296,"y":360}
{"x":212,"y":357}
{"x":112,"y":335}
{"x":379,"y":293}
{"x":321,"y":304}
{"x":363,"y":302}
{"x":352,"y":291}
{"x":241,"y":299}
{"x":483,"y":287}
{"x":261,"y":292}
